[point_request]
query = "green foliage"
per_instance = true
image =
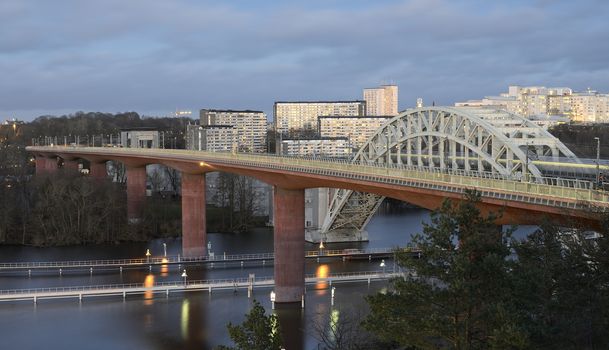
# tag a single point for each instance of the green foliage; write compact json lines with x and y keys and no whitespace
{"x":458,"y":289}
{"x":561,"y":293}
{"x":257,"y":332}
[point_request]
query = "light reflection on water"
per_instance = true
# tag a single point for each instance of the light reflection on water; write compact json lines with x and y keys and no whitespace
{"x":148,"y":294}
{"x":184,"y":319}
{"x":164,"y":268}
{"x":322,"y":272}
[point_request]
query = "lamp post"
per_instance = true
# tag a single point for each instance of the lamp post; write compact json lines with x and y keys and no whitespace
{"x":526,"y":163}
{"x":598,"y":160}
{"x":148,"y":255}
{"x":184,"y":275}
{"x":383,"y":265}
{"x":164,"y":249}
{"x":272,"y":299}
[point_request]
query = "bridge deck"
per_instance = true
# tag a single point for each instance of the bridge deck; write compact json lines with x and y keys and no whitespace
{"x":80,"y":292}
{"x":553,"y":192}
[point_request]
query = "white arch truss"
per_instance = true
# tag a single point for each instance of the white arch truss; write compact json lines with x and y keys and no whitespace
{"x":465,"y":138}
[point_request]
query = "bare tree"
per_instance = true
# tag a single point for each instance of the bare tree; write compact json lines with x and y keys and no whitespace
{"x":340,"y":329}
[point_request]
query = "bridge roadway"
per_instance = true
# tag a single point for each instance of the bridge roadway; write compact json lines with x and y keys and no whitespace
{"x":90,"y":265}
{"x":80,"y":292}
{"x":565,"y":201}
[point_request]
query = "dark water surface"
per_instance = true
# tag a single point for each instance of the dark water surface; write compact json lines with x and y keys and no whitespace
{"x":193,"y":320}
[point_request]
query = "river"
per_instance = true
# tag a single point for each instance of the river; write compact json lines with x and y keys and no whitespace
{"x":193,"y":320}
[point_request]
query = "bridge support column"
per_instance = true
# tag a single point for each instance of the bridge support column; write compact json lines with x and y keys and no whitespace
{"x":193,"y":215}
{"x":41,"y":164}
{"x":289,"y":220}
{"x":70,"y":165}
{"x":50,"y":165}
{"x":98,"y":170}
{"x":136,"y":192}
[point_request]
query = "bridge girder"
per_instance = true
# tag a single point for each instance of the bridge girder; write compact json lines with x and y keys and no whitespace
{"x":463,"y":138}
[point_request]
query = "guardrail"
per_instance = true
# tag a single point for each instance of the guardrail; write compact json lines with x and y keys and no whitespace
{"x":568,"y":189}
{"x":177,"y":259}
{"x":138,"y":288}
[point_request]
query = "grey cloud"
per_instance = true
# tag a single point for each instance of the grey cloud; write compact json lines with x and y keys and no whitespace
{"x":156,"y":55}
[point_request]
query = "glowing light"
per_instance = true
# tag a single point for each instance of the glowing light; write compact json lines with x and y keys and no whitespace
{"x":334,"y":317}
{"x":323,"y":271}
{"x":164,"y":267}
{"x":148,"y":295}
{"x":184,"y":319}
{"x":202,"y":163}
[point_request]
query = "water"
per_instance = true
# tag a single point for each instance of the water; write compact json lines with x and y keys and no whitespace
{"x":191,"y":320}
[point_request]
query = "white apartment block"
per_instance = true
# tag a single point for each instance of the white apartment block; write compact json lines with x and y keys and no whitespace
{"x":356,"y":129}
{"x":584,"y":107}
{"x":587,"y":107}
{"x":250,"y":126}
{"x":382,"y":100}
{"x":219,"y":138}
{"x":302,"y":116}
{"x":322,"y":147}
{"x":213,"y":138}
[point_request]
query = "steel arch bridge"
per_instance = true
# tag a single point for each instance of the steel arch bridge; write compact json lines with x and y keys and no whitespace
{"x":463,"y":138}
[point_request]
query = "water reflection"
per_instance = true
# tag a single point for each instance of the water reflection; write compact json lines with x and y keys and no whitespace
{"x":148,"y":294}
{"x":164,"y":268}
{"x":333,"y":324}
{"x":184,"y":318}
{"x":323,"y":271}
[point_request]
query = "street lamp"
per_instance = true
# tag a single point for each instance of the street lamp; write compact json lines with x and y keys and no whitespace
{"x":148,"y":255}
{"x":383,"y":265}
{"x":598,"y":159}
{"x":184,"y":275}
{"x":165,"y":249}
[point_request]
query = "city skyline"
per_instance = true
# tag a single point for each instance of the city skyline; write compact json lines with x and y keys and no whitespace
{"x":152,"y":56}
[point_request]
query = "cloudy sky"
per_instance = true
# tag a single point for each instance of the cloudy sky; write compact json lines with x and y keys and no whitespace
{"x":153,"y":56}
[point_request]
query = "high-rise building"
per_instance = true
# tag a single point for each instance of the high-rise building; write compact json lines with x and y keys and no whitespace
{"x":250,"y":126}
{"x":382,"y":100}
{"x":301,"y":116}
{"x":356,"y":129}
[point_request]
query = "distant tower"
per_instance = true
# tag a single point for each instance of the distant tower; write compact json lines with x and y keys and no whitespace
{"x":419,"y":102}
{"x":382,"y":100}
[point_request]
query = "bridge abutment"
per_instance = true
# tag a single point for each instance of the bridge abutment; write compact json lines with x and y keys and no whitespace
{"x":136,"y":192}
{"x":194,"y":235}
{"x":289,"y":211}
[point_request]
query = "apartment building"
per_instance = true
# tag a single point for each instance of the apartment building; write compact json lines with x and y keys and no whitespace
{"x":249,"y":126}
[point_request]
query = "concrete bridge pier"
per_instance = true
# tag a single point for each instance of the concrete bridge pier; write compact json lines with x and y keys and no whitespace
{"x":41,"y":164}
{"x":194,"y":235}
{"x":70,"y":164}
{"x":45,"y":165}
{"x":136,"y":192}
{"x":98,"y":171}
{"x":289,"y":211}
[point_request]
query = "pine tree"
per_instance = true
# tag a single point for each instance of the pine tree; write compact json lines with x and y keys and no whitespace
{"x":455,"y":294}
{"x":257,"y":332}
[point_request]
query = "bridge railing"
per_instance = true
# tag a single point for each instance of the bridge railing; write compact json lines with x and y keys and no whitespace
{"x":565,"y":188}
{"x":179,"y":284}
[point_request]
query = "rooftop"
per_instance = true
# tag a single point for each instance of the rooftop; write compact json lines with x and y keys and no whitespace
{"x":354,"y":101}
{"x":229,"y":111}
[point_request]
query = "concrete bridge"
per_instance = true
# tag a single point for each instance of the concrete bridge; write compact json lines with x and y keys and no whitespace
{"x":476,"y":151}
